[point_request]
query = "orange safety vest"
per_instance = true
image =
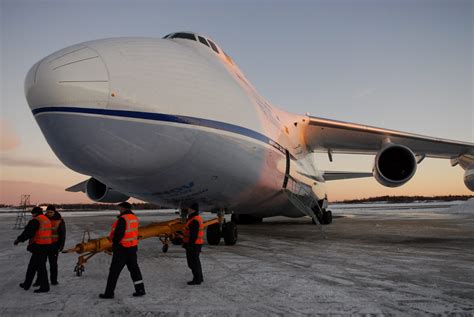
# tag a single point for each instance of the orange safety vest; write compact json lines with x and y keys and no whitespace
{"x":55,"y":227}
{"x":130,"y":237}
{"x":44,"y":232}
{"x":200,"y":237}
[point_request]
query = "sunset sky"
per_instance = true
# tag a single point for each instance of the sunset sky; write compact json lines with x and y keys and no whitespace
{"x":404,"y":65}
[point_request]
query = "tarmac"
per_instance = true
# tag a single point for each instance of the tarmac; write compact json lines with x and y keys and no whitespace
{"x":377,"y":259}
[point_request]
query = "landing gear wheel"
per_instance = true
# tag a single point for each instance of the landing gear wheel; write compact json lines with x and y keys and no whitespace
{"x":79,"y":269}
{"x":327,"y":217}
{"x":213,"y":234}
{"x":165,"y":248}
{"x":229,"y":231}
{"x":324,"y":218}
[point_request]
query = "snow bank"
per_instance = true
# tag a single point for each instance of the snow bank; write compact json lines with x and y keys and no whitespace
{"x":464,"y":208}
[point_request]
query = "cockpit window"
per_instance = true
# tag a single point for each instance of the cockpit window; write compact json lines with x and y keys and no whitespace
{"x":214,"y":47}
{"x":187,"y":36}
{"x":203,"y":40}
{"x":195,"y":37}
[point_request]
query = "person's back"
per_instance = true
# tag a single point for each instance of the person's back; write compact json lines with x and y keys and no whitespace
{"x":124,"y":237}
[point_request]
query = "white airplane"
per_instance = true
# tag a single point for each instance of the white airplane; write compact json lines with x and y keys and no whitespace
{"x":172,"y":121}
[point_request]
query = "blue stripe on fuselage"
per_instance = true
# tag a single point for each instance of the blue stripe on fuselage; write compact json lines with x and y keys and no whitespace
{"x":167,"y":118}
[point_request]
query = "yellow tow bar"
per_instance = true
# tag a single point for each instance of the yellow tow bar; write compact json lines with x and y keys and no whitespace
{"x":166,"y":231}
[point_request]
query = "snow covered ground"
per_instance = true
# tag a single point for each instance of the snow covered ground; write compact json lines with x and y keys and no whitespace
{"x":403,"y":259}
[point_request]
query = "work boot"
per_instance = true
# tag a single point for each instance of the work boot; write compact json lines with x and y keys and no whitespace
{"x":54,"y":283}
{"x":193,"y":282}
{"x":106,"y":296}
{"x":139,"y":290}
{"x":41,"y":290}
{"x":23,"y":285}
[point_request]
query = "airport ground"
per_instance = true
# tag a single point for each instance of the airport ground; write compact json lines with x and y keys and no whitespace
{"x":381,"y":260}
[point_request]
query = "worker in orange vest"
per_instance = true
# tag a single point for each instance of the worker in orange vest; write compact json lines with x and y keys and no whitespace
{"x":124,"y":236}
{"x":38,"y":231}
{"x":59,"y":238}
{"x":193,"y":238}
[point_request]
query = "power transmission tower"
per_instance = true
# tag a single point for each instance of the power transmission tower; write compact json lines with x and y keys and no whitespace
{"x":20,"y":222}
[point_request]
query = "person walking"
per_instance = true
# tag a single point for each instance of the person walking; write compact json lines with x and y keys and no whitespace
{"x":38,"y":231}
{"x":58,"y":240}
{"x":124,"y":236}
{"x":193,"y":238}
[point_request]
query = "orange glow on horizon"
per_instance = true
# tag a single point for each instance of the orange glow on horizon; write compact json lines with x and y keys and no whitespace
{"x":434,"y":177}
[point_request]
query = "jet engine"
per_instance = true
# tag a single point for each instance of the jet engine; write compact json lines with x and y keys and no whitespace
{"x":394,"y":165}
{"x":469,"y":178}
{"x":101,"y":193}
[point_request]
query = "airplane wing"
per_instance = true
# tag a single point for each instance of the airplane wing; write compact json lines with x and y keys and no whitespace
{"x":81,"y":187}
{"x":333,"y":175}
{"x":337,"y":175}
{"x":325,"y":135}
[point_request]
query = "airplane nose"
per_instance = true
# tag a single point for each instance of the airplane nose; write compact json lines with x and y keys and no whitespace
{"x":74,"y":76}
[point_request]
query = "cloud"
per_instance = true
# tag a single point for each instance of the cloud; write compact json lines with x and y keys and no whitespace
{"x":8,"y":138}
{"x":27,"y":162}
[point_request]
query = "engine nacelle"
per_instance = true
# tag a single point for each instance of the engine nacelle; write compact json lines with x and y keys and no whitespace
{"x":101,"y":193}
{"x":469,"y":178}
{"x":394,"y":165}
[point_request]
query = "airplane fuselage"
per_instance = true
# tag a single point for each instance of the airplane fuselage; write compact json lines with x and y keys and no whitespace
{"x":169,"y":122}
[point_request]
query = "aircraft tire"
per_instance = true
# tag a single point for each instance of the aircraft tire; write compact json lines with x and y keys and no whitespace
{"x":229,"y":231}
{"x":327,"y":217}
{"x":213,"y":234}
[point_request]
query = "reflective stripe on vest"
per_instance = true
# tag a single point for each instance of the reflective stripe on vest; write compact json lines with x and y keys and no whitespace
{"x":200,"y":236}
{"x":44,"y":233}
{"x":130,"y":237}
{"x":55,"y":227}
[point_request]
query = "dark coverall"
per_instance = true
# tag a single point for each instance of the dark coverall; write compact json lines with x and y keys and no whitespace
{"x":39,"y":253}
{"x":193,"y":250}
{"x":56,"y":247}
{"x":123,"y":256}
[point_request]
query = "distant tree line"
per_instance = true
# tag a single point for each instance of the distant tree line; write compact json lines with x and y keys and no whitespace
{"x":147,"y":206}
{"x":95,"y":206}
{"x":406,"y":199}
